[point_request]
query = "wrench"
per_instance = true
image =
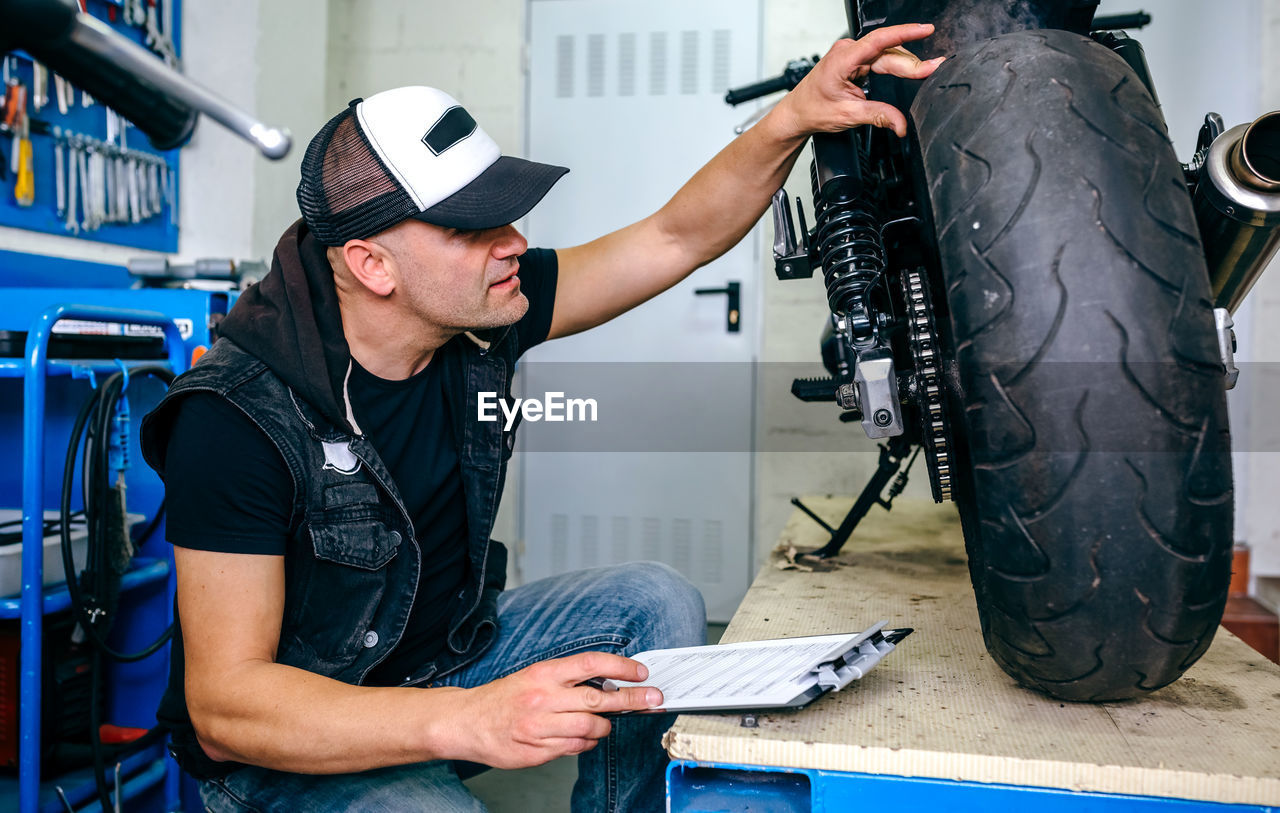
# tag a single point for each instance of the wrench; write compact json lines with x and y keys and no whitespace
{"x":73,"y":152}
{"x":86,"y":209}
{"x":59,"y":173}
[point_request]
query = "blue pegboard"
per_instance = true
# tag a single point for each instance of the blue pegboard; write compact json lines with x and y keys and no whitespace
{"x":160,"y":232}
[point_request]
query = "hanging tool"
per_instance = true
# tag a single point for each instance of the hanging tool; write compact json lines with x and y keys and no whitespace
{"x":62,"y":93}
{"x":15,"y":102}
{"x":85,"y":99}
{"x":85,"y":200}
{"x":135,"y":207}
{"x":73,"y":162}
{"x":166,"y":19}
{"x":24,"y":189}
{"x":154,"y":186}
{"x":59,"y":174}
{"x":39,"y":86}
{"x":10,"y":80}
{"x":113,"y":126}
{"x":158,"y":40}
{"x":15,"y":116}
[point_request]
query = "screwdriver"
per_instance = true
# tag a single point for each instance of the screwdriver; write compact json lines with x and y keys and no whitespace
{"x":24,"y":189}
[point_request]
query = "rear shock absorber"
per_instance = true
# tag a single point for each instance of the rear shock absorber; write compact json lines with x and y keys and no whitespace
{"x":847,"y":232}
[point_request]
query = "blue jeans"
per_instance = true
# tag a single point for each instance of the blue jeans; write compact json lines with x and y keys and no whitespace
{"x":624,"y":609}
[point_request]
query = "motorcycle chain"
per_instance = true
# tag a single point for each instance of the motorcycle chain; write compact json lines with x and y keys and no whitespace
{"x":925,"y":351}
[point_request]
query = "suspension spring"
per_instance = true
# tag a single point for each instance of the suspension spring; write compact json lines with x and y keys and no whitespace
{"x":851,"y":252}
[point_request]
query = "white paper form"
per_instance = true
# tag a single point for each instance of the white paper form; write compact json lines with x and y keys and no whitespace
{"x":755,"y":674}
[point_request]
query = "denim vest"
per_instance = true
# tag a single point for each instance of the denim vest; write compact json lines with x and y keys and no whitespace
{"x":351,"y":568}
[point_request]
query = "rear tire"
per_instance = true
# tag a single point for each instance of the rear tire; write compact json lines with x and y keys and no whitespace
{"x":1093,"y":469}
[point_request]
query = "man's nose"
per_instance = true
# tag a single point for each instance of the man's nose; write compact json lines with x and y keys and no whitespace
{"x":509,"y":242}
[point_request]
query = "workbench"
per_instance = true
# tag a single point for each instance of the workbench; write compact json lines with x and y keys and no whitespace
{"x":937,"y":724}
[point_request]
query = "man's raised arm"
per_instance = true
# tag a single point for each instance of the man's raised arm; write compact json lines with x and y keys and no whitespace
{"x":719,"y":205}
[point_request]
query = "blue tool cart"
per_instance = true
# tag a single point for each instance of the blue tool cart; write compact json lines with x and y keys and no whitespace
{"x":40,"y":396}
{"x":938,"y":726}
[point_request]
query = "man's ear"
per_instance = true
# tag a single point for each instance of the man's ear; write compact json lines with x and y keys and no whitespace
{"x":371,"y":264}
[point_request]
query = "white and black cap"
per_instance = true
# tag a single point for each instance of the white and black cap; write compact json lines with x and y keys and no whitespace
{"x":412,"y":152}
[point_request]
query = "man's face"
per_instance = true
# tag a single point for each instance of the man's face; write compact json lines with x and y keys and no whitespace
{"x":460,"y":280}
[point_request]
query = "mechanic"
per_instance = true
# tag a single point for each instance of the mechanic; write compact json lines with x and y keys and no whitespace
{"x":345,"y":641}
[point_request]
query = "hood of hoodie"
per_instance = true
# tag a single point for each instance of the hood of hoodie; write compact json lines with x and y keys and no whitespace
{"x":292,"y":323}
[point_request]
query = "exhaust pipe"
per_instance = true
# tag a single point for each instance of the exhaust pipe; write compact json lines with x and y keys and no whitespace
{"x":1237,"y":205}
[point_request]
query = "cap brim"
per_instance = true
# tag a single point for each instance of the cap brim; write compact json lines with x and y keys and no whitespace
{"x":502,"y":194}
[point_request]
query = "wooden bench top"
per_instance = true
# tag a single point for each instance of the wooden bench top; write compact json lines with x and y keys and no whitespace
{"x":939,"y":707}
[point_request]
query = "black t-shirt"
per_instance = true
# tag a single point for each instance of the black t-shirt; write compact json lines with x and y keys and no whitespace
{"x":229,"y":490}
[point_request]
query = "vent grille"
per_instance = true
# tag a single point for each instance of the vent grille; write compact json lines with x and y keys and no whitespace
{"x":559,"y":543}
{"x":658,"y":63}
{"x":595,"y":65}
{"x":693,"y":69}
{"x":621,"y":539}
{"x":626,"y":64}
{"x":590,"y":541}
{"x":564,"y":66}
{"x":693,"y":546}
{"x":688,"y":62}
{"x":712,"y":564}
{"x":682,"y":545}
{"x":651,"y":539}
{"x":720,"y":42}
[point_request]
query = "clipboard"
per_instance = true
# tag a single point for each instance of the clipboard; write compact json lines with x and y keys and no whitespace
{"x":780,"y":673}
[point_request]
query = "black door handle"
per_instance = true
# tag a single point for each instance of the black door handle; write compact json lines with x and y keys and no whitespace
{"x":733,"y":316}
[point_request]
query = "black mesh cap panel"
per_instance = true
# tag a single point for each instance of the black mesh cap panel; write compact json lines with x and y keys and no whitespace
{"x":346,"y":193}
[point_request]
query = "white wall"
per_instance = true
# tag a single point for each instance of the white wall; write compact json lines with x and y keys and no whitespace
{"x":268,"y":57}
{"x":220,"y":50}
{"x":290,"y":91}
{"x":473,"y":50}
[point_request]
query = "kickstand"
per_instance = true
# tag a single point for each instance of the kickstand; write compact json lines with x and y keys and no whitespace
{"x":891,"y":457}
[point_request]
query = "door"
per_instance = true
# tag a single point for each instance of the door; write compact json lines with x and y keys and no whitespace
{"x":630,"y":97}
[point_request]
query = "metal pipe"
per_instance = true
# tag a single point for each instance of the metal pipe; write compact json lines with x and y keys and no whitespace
{"x":1237,"y":207}
{"x":1115,"y":22}
{"x":97,"y":37}
{"x":1255,"y":160}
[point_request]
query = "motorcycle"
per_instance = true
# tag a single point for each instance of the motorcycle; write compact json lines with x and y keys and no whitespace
{"x":1032,"y":293}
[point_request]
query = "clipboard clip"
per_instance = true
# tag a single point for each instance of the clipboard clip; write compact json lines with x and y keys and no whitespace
{"x":855,"y":663}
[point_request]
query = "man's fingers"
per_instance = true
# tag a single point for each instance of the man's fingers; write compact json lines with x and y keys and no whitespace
{"x":870,"y":47}
{"x":901,"y":62}
{"x":570,"y":746}
{"x":880,"y":114}
{"x":577,"y":668}
{"x":628,"y":698}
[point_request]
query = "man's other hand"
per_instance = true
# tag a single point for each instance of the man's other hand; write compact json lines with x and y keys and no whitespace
{"x":541,"y":712}
{"x":829,"y":99}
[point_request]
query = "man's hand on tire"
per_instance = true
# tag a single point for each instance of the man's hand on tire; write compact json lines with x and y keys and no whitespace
{"x":830,"y":99}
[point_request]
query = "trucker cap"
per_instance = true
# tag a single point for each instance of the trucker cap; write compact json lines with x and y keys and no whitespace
{"x":412,"y":152}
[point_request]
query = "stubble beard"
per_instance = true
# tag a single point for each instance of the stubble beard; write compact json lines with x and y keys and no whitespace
{"x":509,"y":314}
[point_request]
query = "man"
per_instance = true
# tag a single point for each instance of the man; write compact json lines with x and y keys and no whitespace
{"x":345,"y":641}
